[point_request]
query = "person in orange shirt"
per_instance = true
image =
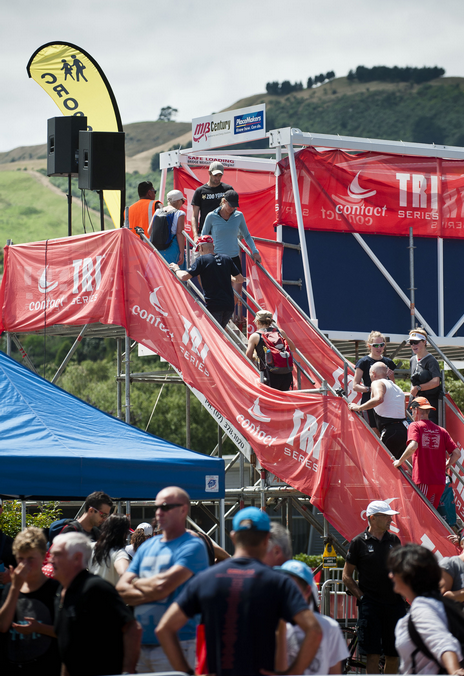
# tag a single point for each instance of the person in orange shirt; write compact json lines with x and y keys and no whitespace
{"x":139,"y":215}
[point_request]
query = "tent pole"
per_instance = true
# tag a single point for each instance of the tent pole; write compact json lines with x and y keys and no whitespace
{"x":412,"y":288}
{"x":128,"y":510}
{"x":277,"y":174}
{"x":118,"y":382}
{"x":187,"y":417}
{"x":162,"y":184}
{"x":23,"y":514}
{"x":301,"y":233}
{"x":441,"y":288}
{"x":222,"y":523}
{"x":8,"y":344}
{"x":127,"y":377}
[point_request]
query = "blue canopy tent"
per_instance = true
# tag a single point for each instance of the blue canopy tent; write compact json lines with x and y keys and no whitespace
{"x":53,"y":445}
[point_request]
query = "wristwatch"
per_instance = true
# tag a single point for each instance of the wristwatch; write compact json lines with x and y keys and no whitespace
{"x":419,"y":388}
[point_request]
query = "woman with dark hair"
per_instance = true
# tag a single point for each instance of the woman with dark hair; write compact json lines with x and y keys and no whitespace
{"x":416,"y":575}
{"x":109,"y":559}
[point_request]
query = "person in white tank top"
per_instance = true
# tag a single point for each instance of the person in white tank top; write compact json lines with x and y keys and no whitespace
{"x":388,"y":402}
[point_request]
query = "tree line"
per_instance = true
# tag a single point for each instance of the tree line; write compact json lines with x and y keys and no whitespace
{"x":286,"y":87}
{"x":395,"y":74}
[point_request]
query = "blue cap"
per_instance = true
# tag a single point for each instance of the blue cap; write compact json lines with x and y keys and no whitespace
{"x":298,"y":569}
{"x":251,"y":518}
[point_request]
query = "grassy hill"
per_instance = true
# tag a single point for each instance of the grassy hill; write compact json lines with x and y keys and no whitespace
{"x":31,"y":211}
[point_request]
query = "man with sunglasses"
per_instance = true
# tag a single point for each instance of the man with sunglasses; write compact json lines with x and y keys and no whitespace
{"x":97,"y":507}
{"x":157,"y":574}
{"x":139,"y":214}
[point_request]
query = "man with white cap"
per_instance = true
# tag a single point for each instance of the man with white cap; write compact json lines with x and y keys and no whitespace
{"x":217,"y":274}
{"x":208,"y":197}
{"x":241,"y":601}
{"x":332,"y":649}
{"x":379,"y":608}
{"x":429,"y":445}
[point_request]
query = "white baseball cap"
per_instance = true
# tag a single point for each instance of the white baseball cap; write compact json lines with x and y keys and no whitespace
{"x":379,"y":507}
{"x":147,"y":529}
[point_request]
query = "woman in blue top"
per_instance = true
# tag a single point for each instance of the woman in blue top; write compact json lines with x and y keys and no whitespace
{"x":226,"y":224}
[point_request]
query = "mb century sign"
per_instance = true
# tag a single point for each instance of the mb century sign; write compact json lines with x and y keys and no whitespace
{"x":229,"y":127}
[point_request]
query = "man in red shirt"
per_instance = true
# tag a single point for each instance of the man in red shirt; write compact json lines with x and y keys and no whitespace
{"x":429,"y":445}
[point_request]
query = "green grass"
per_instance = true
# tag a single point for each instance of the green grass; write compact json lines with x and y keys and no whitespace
{"x":30,"y":212}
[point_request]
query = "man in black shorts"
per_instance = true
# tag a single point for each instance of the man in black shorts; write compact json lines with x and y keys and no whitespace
{"x":96,"y":631}
{"x":241,"y":601}
{"x":217,"y":274}
{"x":379,"y":607}
{"x":208,"y":197}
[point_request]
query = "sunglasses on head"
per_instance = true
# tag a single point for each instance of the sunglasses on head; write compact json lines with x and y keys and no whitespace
{"x":377,"y":344}
{"x":165,"y":507}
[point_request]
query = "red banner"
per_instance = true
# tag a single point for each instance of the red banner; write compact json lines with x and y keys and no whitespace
{"x":374,"y":193}
{"x":312,"y":442}
{"x":256,"y":190}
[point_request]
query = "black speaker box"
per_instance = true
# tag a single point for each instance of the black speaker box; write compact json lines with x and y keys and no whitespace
{"x":63,"y":144}
{"x":102,"y":161}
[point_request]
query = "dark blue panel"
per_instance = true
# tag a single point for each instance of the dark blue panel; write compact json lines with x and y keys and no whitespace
{"x":453,"y":256}
{"x":351,"y":294}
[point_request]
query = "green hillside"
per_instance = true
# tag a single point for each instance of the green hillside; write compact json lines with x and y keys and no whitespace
{"x":427,"y":113}
{"x":29,"y":211}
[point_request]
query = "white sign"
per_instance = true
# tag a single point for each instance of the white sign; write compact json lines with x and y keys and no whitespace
{"x":229,"y":127}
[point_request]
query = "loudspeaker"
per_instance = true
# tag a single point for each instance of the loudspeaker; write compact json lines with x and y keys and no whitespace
{"x":102,"y":161}
{"x":63,"y":144}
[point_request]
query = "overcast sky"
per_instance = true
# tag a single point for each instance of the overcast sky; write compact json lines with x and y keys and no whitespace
{"x":202,"y":56}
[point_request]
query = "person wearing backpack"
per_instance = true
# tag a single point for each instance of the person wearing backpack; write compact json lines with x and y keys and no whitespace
{"x":429,"y":638}
{"x":273,"y":349}
{"x":165,"y":230}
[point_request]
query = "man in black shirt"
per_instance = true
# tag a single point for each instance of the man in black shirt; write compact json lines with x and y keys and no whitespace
{"x":217,"y":274}
{"x":379,"y":607}
{"x":96,"y":631}
{"x":241,"y":601}
{"x":208,"y":197}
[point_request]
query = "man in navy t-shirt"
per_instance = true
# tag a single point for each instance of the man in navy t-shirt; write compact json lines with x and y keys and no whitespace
{"x":217,"y":274}
{"x":241,"y":601}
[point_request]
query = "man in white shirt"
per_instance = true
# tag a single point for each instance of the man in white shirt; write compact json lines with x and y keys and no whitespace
{"x":388,"y":402}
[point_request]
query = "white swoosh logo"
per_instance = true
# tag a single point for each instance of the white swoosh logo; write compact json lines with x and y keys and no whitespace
{"x":155,"y":302}
{"x":255,"y":412}
{"x":45,"y":286}
{"x":356,"y":192}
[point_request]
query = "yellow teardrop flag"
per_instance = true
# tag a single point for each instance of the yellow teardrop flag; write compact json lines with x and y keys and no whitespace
{"x":78,"y":86}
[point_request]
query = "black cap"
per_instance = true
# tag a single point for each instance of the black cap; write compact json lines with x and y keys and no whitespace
{"x":232,"y":197}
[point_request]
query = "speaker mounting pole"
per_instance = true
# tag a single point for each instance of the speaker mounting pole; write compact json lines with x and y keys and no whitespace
{"x":102,"y":213}
{"x":69,"y":196}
